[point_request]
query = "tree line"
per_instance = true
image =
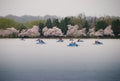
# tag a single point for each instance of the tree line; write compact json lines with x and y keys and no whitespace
{"x":81,"y":20}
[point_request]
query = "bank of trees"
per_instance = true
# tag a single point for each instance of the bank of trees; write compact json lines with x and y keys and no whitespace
{"x":7,"y":23}
{"x":86,"y":26}
{"x":116,"y":27}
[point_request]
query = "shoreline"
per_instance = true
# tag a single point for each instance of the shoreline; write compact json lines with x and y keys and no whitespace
{"x":62,"y":38}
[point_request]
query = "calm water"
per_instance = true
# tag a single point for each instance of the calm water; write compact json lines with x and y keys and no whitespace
{"x":28,"y":61}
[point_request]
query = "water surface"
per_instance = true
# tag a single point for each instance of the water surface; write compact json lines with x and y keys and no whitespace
{"x":55,"y":61}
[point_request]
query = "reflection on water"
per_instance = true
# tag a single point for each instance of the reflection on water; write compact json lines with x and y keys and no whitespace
{"x":28,"y":61}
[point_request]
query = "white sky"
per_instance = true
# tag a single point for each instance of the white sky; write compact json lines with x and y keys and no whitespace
{"x":60,"y":7}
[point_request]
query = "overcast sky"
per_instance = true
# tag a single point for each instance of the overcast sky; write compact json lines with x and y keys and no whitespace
{"x":60,"y":7}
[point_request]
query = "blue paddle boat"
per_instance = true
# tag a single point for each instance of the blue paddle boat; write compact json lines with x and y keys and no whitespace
{"x":73,"y":45}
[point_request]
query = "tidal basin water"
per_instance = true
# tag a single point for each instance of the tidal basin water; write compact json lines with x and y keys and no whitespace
{"x":55,"y":61}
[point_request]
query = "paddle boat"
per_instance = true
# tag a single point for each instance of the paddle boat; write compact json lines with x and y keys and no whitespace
{"x":73,"y":44}
{"x":39,"y":41}
{"x":22,"y":38}
{"x":79,"y":40}
{"x":98,"y":42}
{"x":60,"y":40}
